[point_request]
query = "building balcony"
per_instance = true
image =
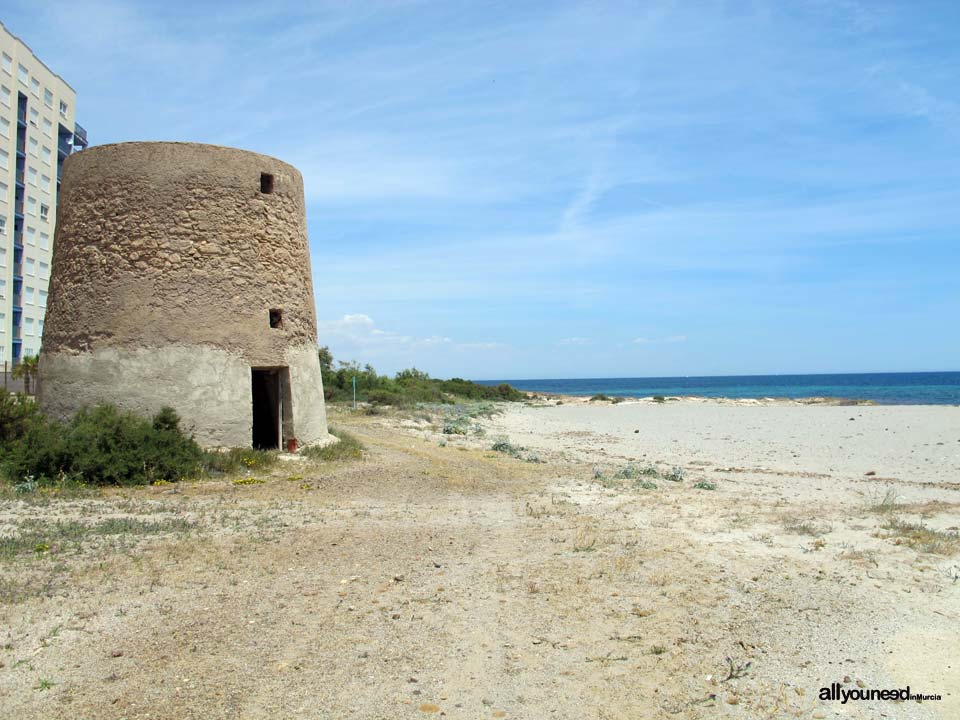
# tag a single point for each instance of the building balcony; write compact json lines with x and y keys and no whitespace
{"x":79,"y":137}
{"x":17,"y":333}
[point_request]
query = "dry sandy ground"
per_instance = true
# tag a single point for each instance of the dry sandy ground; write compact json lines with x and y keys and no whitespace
{"x":437,"y":577}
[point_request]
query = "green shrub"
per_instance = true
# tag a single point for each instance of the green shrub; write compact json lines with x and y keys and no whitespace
{"x":705,"y":485}
{"x":104,"y":446}
{"x":503,"y":445}
{"x":676,"y":474}
{"x":405,"y":388}
{"x":632,"y":472}
{"x":599,"y":397}
{"x":659,"y":399}
{"x":17,"y":414}
{"x":456,"y":426}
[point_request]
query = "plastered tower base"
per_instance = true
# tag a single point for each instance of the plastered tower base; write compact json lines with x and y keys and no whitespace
{"x":208,"y":387}
{"x":181,"y":277}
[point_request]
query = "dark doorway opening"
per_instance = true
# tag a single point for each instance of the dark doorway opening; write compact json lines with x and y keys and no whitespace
{"x":267,"y":398}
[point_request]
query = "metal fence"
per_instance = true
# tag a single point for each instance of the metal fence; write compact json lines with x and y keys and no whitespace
{"x":15,"y":384}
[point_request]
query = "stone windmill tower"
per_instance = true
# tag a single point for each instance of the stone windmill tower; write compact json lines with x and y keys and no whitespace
{"x":181,"y":277}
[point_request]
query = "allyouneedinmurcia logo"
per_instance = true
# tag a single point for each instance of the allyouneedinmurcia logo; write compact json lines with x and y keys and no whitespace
{"x":836,"y":691}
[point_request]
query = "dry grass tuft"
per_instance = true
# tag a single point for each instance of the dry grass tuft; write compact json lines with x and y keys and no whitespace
{"x":923,"y":538}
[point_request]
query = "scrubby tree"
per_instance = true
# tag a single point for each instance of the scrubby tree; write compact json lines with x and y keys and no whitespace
{"x":26,"y":369}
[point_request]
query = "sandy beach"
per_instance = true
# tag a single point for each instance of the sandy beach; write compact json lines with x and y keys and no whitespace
{"x":916,"y":445}
{"x":685,"y":560}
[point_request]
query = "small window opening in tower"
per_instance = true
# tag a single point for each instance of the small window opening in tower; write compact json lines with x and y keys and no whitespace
{"x":276,"y":318}
{"x":266,"y":183}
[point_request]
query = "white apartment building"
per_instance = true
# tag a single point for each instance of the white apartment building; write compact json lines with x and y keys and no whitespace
{"x":37,"y":132}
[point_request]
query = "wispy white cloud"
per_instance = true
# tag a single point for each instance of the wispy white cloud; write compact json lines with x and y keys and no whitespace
{"x":575,"y":341}
{"x":670,"y":339}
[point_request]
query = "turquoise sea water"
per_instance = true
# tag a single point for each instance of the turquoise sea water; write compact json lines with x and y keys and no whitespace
{"x":925,"y":388}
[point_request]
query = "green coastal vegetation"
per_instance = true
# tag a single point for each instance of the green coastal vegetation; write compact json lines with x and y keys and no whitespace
{"x":406,"y":388}
{"x":105,"y":446}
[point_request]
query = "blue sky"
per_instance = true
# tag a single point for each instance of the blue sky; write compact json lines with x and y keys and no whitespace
{"x":567,"y":189}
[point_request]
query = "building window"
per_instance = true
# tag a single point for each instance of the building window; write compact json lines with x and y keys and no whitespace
{"x":47,"y":127}
{"x":40,"y":327}
{"x":266,"y":183}
{"x":44,"y":274}
{"x":5,"y":95}
{"x":34,"y":117}
{"x":63,"y":108}
{"x":7,"y":64}
{"x":48,"y":98}
{"x":4,"y":160}
{"x":31,"y":267}
{"x":3,"y":257}
{"x":22,"y":74}
{"x":43,"y":298}
{"x":32,"y":206}
{"x":3,"y":322}
{"x":3,"y":225}
{"x":28,"y":295}
{"x":28,"y":326}
{"x":35,"y":87}
{"x":44,"y":211}
{"x":46,"y":153}
{"x":32,"y":176}
{"x":5,"y":127}
{"x":3,"y":192}
{"x":3,"y":289}
{"x":34,"y":145}
{"x":44,"y":241}
{"x":31,"y":236}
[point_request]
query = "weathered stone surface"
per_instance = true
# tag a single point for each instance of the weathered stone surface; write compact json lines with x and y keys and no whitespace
{"x":167,"y":261}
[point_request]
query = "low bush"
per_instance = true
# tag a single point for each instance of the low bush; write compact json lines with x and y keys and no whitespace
{"x":406,"y":388}
{"x":503,"y":445}
{"x":17,"y":414}
{"x":632,"y":472}
{"x":104,"y":446}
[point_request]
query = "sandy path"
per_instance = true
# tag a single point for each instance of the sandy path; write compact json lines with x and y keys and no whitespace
{"x":428,"y":580}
